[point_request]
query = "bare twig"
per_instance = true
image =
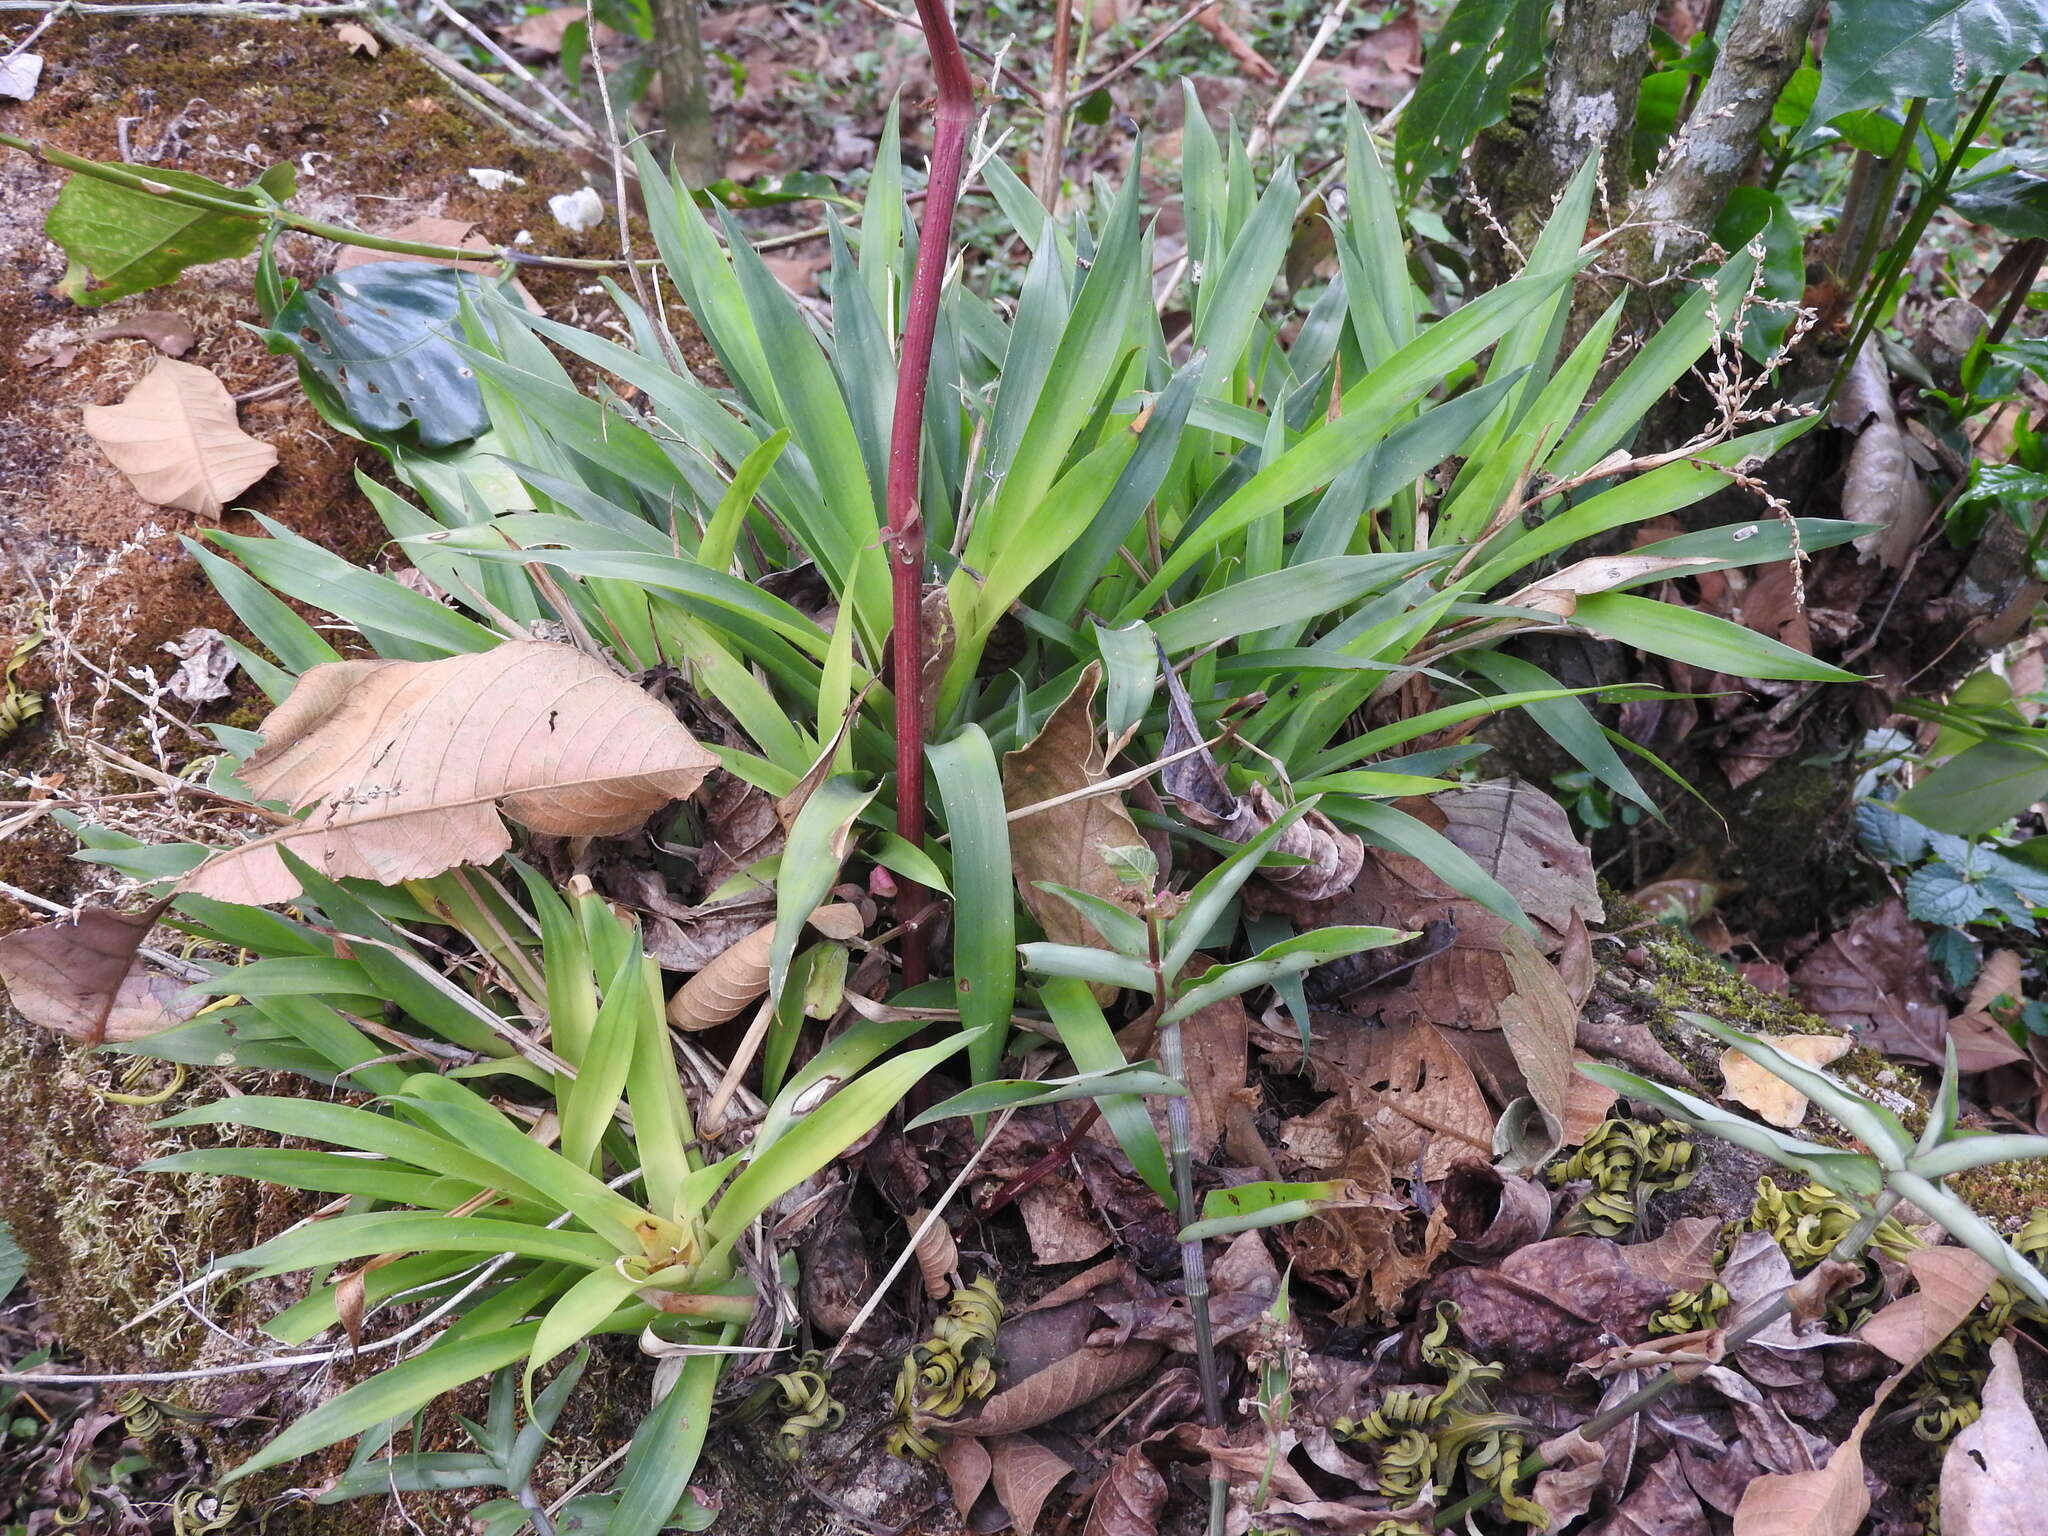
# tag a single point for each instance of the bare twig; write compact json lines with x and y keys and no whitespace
{"x":1263,"y":134}
{"x":497,"y":51}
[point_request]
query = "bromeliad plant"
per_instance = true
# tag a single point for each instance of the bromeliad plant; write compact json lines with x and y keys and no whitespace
{"x":1283,"y":523}
{"x":580,"y":1203}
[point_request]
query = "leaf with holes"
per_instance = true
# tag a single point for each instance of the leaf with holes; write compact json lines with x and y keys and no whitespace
{"x":1485,"y":50}
{"x":176,"y":438}
{"x":380,"y":342}
{"x":130,"y":240}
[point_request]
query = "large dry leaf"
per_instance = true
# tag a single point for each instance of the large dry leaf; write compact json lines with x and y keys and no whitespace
{"x":1829,"y":1501}
{"x":1025,"y":1474}
{"x":1832,"y":1500}
{"x":1873,"y":979}
{"x":1413,"y":1088}
{"x":1540,"y":1024}
{"x":1130,"y":1500}
{"x":1524,"y":839}
{"x":1758,"y":1089}
{"x":406,"y":765}
{"x":1952,"y":1282}
{"x":1081,"y":1377}
{"x":1070,"y":844}
{"x":80,"y":978}
{"x":967,"y":1464}
{"x":1994,"y":1474}
{"x":176,"y":439}
{"x":1514,"y":832}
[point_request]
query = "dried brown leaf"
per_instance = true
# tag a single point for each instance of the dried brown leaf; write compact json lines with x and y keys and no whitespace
{"x":170,"y":333}
{"x":1082,"y":1377}
{"x":1994,"y":1473}
{"x":81,"y":978}
{"x":967,"y":1464}
{"x":1758,"y":1089}
{"x":1539,"y":1023}
{"x":358,"y":39}
{"x":1873,"y":979}
{"x":725,"y":987}
{"x":1683,"y":1258}
{"x":405,"y":766}
{"x":1493,"y":1213}
{"x":1881,"y":487}
{"x":1952,"y":1282}
{"x":1067,"y":845}
{"x":176,"y":438}
{"x":1025,"y":1474}
{"x":1130,"y":1500}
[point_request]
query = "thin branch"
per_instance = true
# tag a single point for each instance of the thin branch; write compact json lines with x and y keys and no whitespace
{"x":1263,"y":134}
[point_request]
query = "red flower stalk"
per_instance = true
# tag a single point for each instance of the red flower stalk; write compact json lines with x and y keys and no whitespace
{"x":905,"y":537}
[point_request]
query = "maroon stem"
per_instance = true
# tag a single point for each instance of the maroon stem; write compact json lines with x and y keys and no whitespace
{"x":905,"y":538}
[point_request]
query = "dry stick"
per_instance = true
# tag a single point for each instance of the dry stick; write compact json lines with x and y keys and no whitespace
{"x":612,"y":141}
{"x":256,"y":9}
{"x":140,"y":181}
{"x":1263,"y":134}
{"x":480,"y":92}
{"x":1848,"y":1249}
{"x":904,"y":540}
{"x":1153,"y":44}
{"x":497,"y":51}
{"x":1052,"y":151}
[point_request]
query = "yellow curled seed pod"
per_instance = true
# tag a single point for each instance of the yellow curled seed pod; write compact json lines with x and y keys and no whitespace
{"x":939,"y":1378}
{"x":196,"y":1511}
{"x":1407,"y":1467}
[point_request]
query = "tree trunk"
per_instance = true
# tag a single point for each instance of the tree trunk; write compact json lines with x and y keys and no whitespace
{"x":685,"y":98}
{"x":1589,"y":98}
{"x":1714,"y":147}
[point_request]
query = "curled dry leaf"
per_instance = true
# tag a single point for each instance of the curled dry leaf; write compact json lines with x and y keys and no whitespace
{"x":938,"y":1256}
{"x":358,"y":39}
{"x":1130,"y":1500}
{"x":80,"y":978}
{"x":1560,"y":592}
{"x":1493,"y":1213}
{"x":176,"y":439}
{"x":1881,"y":488}
{"x":204,"y":665}
{"x":1332,"y":857}
{"x":405,"y":766}
{"x":170,"y":333}
{"x":1068,"y":844}
{"x":967,"y":1464}
{"x":726,"y":985}
{"x":1758,"y":1089}
{"x":1993,"y":1475}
